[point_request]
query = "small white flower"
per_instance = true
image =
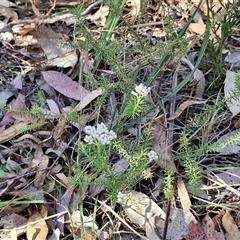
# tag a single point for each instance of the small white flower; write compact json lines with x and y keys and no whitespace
{"x":152,"y":155}
{"x":89,"y":139}
{"x":121,"y":197}
{"x":100,"y":133}
{"x":141,"y":90}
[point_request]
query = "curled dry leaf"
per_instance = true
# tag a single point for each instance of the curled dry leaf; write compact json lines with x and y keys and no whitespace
{"x":135,"y":9}
{"x":7,"y":3}
{"x":38,"y":230}
{"x":59,"y":129}
{"x":12,"y":131}
{"x":35,"y":9}
{"x":183,"y":106}
{"x":8,"y":13}
{"x":150,"y":229}
{"x":40,"y":176}
{"x":65,"y":85}
{"x":100,"y":17}
{"x":232,"y":232}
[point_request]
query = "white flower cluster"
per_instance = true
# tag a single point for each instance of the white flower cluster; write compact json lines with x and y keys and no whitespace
{"x":141,"y":90}
{"x":100,"y":133}
{"x":152,"y":155}
{"x":122,"y":197}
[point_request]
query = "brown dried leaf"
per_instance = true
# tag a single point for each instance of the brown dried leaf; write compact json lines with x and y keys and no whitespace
{"x":12,"y":131}
{"x":41,"y":176}
{"x":8,"y":13}
{"x":38,"y":230}
{"x":87,"y":222}
{"x":100,"y":17}
{"x":59,"y":129}
{"x":183,"y":195}
{"x":183,"y":106}
{"x":135,"y":9}
{"x":64,"y":179}
{"x":35,"y":9}
{"x":198,"y":28}
{"x":232,"y":232}
{"x":88,"y":99}
{"x":65,"y":85}
{"x":13,"y":234}
{"x":56,"y":54}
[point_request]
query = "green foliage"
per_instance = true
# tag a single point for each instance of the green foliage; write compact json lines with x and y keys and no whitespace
{"x":95,"y":167}
{"x":135,"y":106}
{"x":190,"y":156}
{"x":168,"y":184}
{"x":74,"y":115}
{"x":96,"y":159}
{"x":222,"y":22}
{"x":4,"y":109}
{"x":41,"y":98}
{"x":3,"y":170}
{"x":237,"y":80}
{"x":37,"y":112}
{"x":31,"y":127}
{"x":190,"y":153}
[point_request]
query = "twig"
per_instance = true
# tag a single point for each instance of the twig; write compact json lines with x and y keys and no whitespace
{"x":52,"y":7}
{"x":164,"y":237}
